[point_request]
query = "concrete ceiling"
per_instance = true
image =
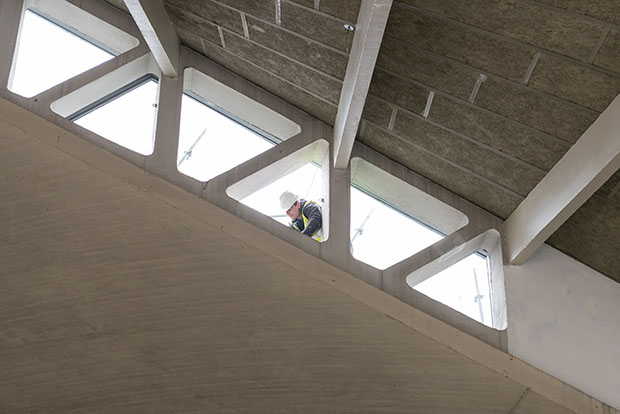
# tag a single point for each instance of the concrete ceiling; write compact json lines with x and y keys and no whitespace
{"x":123,"y":293}
{"x":482,"y":97}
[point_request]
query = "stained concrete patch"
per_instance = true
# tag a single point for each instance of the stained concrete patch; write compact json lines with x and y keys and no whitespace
{"x":183,"y":20}
{"x":323,"y":86}
{"x":592,"y":249}
{"x":476,"y":190}
{"x":298,"y":48}
{"x":263,"y":9}
{"x":526,"y":22}
{"x":208,"y":10}
{"x":608,"y":56}
{"x":377,"y":111}
{"x":546,"y":114}
{"x":531,"y":146}
{"x":404,"y":93}
{"x":468,"y":46}
{"x":605,"y":10}
{"x":504,"y":171}
{"x":575,"y":83}
{"x":316,"y":26}
{"x":427,"y":68}
{"x":302,"y":99}
{"x":532,"y":403}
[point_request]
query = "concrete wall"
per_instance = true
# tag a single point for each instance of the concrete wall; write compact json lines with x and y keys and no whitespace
{"x":564,"y":318}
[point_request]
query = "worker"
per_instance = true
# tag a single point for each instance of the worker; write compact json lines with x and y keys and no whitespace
{"x":306,"y":216}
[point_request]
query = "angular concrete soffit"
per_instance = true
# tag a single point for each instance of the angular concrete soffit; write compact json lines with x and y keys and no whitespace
{"x":589,"y":163}
{"x":371,"y":23}
{"x":156,"y":28}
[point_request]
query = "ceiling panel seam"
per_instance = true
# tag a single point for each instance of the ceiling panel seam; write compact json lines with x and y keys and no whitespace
{"x":452,"y":163}
{"x":573,"y":14}
{"x":277,"y":76}
{"x":472,"y":140}
{"x":322,"y":14}
{"x":598,"y":45}
{"x":308,"y":39}
{"x":499,"y":78}
{"x":469,"y":104}
{"x":318,"y":71}
{"x":500,"y":37}
{"x":516,"y":404}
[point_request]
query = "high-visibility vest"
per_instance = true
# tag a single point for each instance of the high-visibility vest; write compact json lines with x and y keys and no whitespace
{"x":319,"y":233}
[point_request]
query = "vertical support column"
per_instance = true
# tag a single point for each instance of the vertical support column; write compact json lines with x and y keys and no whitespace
{"x":337,"y":248}
{"x":163,"y":160}
{"x":10,"y":19}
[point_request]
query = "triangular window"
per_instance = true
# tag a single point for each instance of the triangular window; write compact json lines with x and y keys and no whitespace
{"x":464,"y":286}
{"x":126,"y":116}
{"x":51,"y":49}
{"x":212,"y":142}
{"x":391,"y":220}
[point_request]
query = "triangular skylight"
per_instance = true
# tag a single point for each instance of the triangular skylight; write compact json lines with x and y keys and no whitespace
{"x":53,"y":48}
{"x":126,"y":117}
{"x":464,"y":286}
{"x":222,"y":128}
{"x":211,"y":143}
{"x":391,"y":220}
{"x":306,"y":182}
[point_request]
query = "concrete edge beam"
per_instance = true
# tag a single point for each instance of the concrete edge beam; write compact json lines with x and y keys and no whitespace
{"x":587,"y":165}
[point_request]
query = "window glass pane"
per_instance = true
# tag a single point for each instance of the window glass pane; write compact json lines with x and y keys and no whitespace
{"x":464,"y":287}
{"x":305,"y":182}
{"x":48,"y":54}
{"x":128,"y":120}
{"x":382,"y":236}
{"x":211,"y":143}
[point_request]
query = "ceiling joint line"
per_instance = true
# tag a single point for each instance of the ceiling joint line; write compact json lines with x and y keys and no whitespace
{"x":614,"y":190}
{"x":469,"y":139}
{"x":521,"y":397}
{"x":572,"y":13}
{"x":315,"y":11}
{"x":221,"y":32}
{"x":278,"y":13}
{"x":392,"y":118}
{"x":429,"y":102}
{"x":305,"y":65}
{"x":270,"y":23}
{"x":520,"y":43}
{"x":447,"y":161}
{"x":479,"y":108}
{"x":282,"y":79}
{"x":530,"y":69}
{"x":512,"y":82}
{"x":598,"y":45}
{"x":481,"y":78}
{"x":244,"y":22}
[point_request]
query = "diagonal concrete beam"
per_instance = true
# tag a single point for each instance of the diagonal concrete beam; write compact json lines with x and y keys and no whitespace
{"x":371,"y":23}
{"x":593,"y":159}
{"x":156,"y":28}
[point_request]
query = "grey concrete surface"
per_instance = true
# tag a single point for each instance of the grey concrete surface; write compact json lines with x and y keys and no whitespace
{"x":129,"y":295}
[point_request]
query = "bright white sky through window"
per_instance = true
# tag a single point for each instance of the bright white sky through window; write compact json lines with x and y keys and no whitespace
{"x":210,"y":143}
{"x":48,"y":55}
{"x":128,"y":120}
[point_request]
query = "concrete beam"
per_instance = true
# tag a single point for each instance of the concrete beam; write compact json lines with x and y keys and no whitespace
{"x":371,"y":23}
{"x":571,"y":182}
{"x":156,"y":28}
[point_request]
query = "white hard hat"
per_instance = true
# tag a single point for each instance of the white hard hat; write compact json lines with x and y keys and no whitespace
{"x":287,"y":199}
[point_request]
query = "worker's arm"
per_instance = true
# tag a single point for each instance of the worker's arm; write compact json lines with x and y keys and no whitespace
{"x":315,"y":219}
